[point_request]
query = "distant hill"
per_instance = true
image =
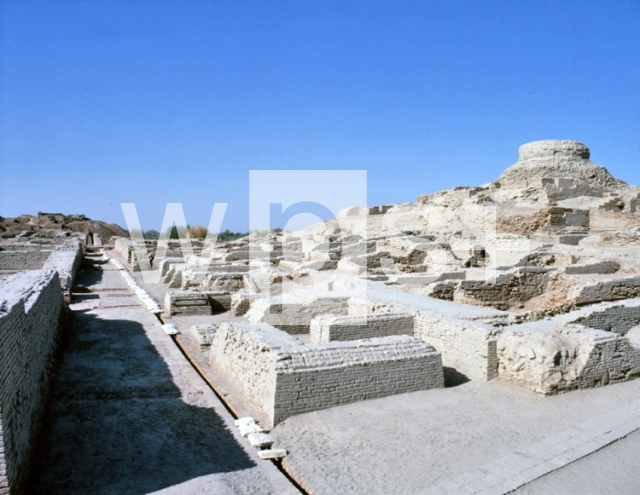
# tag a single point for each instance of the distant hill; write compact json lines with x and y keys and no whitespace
{"x":59,"y":221}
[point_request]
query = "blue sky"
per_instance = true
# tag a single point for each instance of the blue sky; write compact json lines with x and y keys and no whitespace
{"x":176,"y":101}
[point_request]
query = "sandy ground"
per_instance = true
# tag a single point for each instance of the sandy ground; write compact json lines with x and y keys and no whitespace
{"x":130,"y":415}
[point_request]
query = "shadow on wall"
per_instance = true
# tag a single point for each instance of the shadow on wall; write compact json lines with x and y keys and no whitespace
{"x":116,"y":422}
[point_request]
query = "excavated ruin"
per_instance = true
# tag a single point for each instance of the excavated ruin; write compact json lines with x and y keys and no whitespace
{"x":532,"y":279}
{"x":506,"y":280}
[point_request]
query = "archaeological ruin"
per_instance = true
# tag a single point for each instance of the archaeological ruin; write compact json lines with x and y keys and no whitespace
{"x":532,"y":280}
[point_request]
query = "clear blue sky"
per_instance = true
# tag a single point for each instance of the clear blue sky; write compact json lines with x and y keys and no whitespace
{"x":152,"y":102}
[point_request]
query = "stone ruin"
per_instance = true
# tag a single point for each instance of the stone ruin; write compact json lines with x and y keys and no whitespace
{"x":507,"y":280}
{"x":532,"y":279}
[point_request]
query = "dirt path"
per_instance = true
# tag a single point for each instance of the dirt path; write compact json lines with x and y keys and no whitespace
{"x":130,"y":415}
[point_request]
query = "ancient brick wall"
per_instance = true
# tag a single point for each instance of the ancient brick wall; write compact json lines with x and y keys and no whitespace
{"x":609,"y":290}
{"x":327,"y":328}
{"x":65,"y":259}
{"x":467,"y":347}
{"x":319,"y":376}
{"x":618,"y":319}
{"x":30,"y":309}
{"x":294,"y":313}
{"x":123,"y":247}
{"x":542,"y":359}
{"x":277,"y":376}
{"x":30,"y":259}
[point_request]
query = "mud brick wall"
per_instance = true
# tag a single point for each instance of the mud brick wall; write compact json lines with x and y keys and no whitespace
{"x":618,"y":319}
{"x":610,"y":290}
{"x":549,"y":362}
{"x":277,"y":376}
{"x":294,"y":314}
{"x":467,"y":347}
{"x":30,"y":309}
{"x":327,"y":328}
{"x":603,"y":267}
{"x":23,"y":260}
{"x":508,"y":290}
{"x":65,"y":259}
{"x":319,"y":376}
{"x":188,"y":302}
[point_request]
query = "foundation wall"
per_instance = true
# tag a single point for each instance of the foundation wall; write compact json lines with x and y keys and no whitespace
{"x":277,"y":376}
{"x":618,"y":319}
{"x":294,"y":314}
{"x":549,"y":362}
{"x":609,"y":290}
{"x":65,"y":259}
{"x":364,"y":369}
{"x":327,"y":328}
{"x":23,"y":260}
{"x":470,"y":349}
{"x":30,"y":310}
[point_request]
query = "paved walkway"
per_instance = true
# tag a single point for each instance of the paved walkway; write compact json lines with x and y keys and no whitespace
{"x":528,"y":464}
{"x":129,"y":414}
{"x":479,"y":437}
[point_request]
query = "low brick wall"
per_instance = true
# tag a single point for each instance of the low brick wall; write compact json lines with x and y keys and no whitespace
{"x":277,"y":376}
{"x":189,"y":302}
{"x":30,"y":310}
{"x":65,"y":259}
{"x":124,"y":248}
{"x":27,"y":259}
{"x":327,"y":328}
{"x":618,"y":319}
{"x":544,"y":359}
{"x":468,"y":347}
{"x":294,"y":313}
{"x":607,"y":290}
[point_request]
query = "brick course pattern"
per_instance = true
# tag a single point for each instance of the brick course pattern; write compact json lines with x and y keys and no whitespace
{"x":32,"y":259}
{"x":470,"y":348}
{"x":277,"y":376}
{"x":327,"y":328}
{"x":295,"y":312}
{"x":190,"y":302}
{"x":30,"y":308}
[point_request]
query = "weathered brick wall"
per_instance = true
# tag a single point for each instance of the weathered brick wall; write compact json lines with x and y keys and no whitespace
{"x":602,"y":267}
{"x":238,"y":352}
{"x":608,"y":290}
{"x":467,"y":347}
{"x":191,"y":302}
{"x":618,"y":319}
{"x":327,"y":328}
{"x":30,"y":309}
{"x":294,"y":313}
{"x":509,"y":289}
{"x":318,"y":376}
{"x":28,"y":259}
{"x":541,"y":358}
{"x":65,"y":259}
{"x":124,"y":247}
{"x":277,"y":376}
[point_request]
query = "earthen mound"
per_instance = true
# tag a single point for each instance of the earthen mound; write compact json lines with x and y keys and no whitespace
{"x":554,"y":159}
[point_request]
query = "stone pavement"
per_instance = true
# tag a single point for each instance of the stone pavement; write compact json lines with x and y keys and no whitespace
{"x":129,"y":414}
{"x":519,"y":468}
{"x":614,"y":470}
{"x":475,"y":436}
